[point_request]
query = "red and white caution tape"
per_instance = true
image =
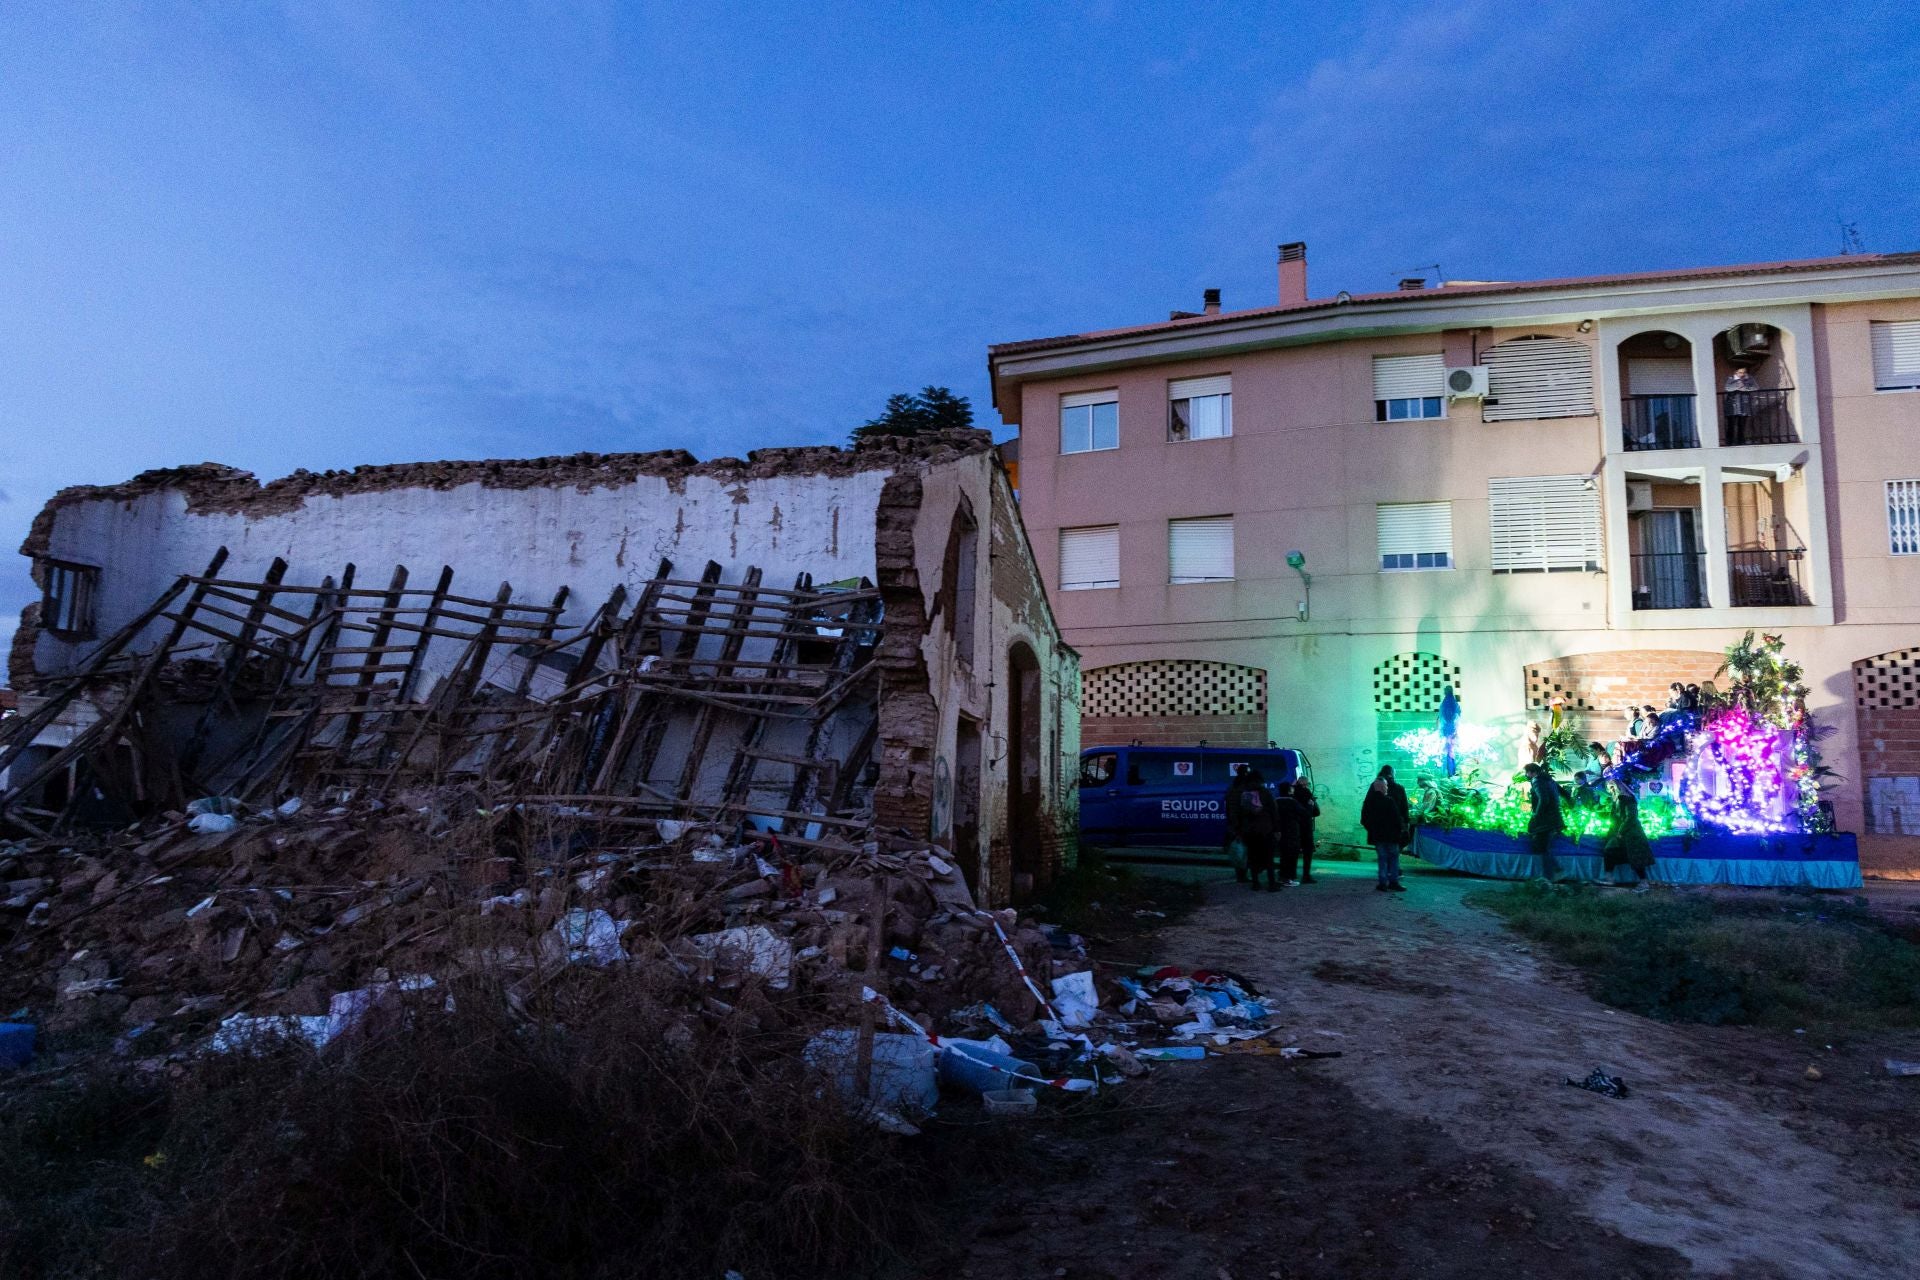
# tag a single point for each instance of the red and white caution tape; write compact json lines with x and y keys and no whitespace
{"x":1019,"y":966}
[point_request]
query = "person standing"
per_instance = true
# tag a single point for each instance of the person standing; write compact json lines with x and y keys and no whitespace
{"x":1290,"y":822}
{"x":1309,"y":810}
{"x":1388,"y":823}
{"x":1628,"y":845}
{"x":1547,"y":822}
{"x":1251,"y":820}
{"x":1739,"y":402}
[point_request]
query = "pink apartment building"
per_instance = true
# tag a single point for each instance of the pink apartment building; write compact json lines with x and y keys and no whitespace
{"x":1584,"y":487}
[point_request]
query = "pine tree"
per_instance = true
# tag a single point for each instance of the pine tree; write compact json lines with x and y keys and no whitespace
{"x":933,"y":409}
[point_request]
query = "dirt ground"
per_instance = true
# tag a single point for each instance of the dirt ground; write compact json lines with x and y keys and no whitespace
{"x":1443,"y":1141}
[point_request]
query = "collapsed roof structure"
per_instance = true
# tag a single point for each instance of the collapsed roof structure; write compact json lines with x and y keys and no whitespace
{"x":814,"y":641}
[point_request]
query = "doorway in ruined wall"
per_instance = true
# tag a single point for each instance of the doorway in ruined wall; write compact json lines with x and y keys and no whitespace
{"x":966,"y":805}
{"x":1407,"y":691}
{"x":1024,"y":837}
{"x":1886,"y":708}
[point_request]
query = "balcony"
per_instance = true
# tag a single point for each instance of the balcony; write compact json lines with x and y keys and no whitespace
{"x":1659,"y":422}
{"x":1757,"y":417}
{"x":1762,"y":578}
{"x":1670,"y":580}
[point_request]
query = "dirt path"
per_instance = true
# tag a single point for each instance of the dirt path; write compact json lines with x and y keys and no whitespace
{"x":1726,"y":1153}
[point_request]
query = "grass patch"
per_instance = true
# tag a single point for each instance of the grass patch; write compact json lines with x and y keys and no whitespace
{"x":1777,"y":960}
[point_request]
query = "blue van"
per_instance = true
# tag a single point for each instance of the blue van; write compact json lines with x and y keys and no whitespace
{"x":1168,"y":796}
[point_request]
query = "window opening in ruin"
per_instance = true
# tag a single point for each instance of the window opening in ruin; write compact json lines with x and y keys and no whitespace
{"x":70,"y":590}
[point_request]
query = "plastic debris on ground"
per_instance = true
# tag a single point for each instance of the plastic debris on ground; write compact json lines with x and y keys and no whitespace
{"x":1598,"y":1081}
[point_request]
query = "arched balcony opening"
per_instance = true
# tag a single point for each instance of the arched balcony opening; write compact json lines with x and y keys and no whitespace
{"x":1750,"y":364}
{"x":1657,"y":393}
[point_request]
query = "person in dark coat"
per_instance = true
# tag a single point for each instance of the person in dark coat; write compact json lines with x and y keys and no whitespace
{"x":1251,"y":819}
{"x":1389,"y":825}
{"x":1309,"y":810}
{"x":1547,"y":823}
{"x":1627,"y":845}
{"x":1290,"y":821}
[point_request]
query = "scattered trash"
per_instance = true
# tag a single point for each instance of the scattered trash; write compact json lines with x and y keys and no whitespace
{"x":16,"y":1044}
{"x":1898,"y":1067}
{"x":1814,"y":1073}
{"x":217,"y":805}
{"x":902,"y":1081}
{"x":1172,"y":1053}
{"x":1598,"y":1081}
{"x":207,"y":824}
{"x":761,"y":951}
{"x":981,"y":1066}
{"x":1075,"y":998}
{"x":1009,"y":1103}
{"x":250,"y":1033}
{"x":592,"y":936}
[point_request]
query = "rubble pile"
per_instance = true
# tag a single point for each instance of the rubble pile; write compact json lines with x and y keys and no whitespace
{"x":207,"y":927}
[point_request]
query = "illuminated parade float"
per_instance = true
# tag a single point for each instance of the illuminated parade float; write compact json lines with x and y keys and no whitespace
{"x":1725,"y":785}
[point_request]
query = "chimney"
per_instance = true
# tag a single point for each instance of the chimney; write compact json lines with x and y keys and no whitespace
{"x":1413,"y":284}
{"x":1293,"y":273}
{"x":1211,"y":305}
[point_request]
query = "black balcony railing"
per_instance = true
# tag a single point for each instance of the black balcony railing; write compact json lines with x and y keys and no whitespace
{"x":1670,"y":580}
{"x":1757,"y":417}
{"x":1659,"y":422}
{"x":1768,"y":577}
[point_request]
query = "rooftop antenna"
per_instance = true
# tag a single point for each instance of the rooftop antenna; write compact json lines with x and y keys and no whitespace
{"x":1439,"y":276}
{"x":1850,"y":242}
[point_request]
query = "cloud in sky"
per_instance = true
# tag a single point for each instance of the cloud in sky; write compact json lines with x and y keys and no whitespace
{"x":327,"y":234}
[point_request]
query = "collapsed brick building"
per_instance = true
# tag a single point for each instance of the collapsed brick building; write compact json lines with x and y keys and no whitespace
{"x":814,"y":641}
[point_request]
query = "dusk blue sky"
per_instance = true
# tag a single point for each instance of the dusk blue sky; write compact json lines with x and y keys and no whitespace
{"x":315,"y":235}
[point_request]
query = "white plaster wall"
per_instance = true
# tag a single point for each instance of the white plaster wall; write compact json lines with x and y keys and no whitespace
{"x":539,"y":539}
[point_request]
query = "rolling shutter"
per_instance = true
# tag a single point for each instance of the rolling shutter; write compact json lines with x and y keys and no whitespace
{"x":1659,"y":377}
{"x":1188,"y":388}
{"x":1081,"y":399}
{"x":1543,"y":524}
{"x":1409,"y":377}
{"x":1413,"y":528}
{"x":1538,"y":378}
{"x":1090,"y":558}
{"x":1200,"y":550}
{"x":1896,"y":355}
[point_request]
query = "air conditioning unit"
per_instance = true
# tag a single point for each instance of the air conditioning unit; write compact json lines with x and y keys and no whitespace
{"x":1639,"y":495}
{"x":1749,"y":341}
{"x":1468,"y":382}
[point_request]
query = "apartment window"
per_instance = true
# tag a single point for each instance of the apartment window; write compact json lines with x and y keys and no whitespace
{"x":1089,"y":420}
{"x":1903,"y":517}
{"x":1543,"y":524}
{"x":1090,"y":558}
{"x":68,"y":606}
{"x":1409,"y":387}
{"x":1416,"y":535}
{"x":1896,"y":355}
{"x":1538,"y":377}
{"x":1200,"y":550}
{"x":1200,"y":408}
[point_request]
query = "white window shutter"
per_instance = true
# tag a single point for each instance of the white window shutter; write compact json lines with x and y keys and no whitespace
{"x":1663,"y":376}
{"x":1090,"y":558}
{"x":1903,"y":517}
{"x":1413,"y":528}
{"x":1409,"y":377}
{"x":1896,"y":354}
{"x":1200,"y":550}
{"x":1081,"y":399}
{"x":1538,"y":377}
{"x":1188,"y":388}
{"x":1541,"y":524}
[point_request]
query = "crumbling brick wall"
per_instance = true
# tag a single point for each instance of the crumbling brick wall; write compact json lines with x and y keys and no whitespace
{"x":908,"y":716}
{"x":1597,"y":687}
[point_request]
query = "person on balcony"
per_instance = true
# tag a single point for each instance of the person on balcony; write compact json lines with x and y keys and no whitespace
{"x":1739,"y":402}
